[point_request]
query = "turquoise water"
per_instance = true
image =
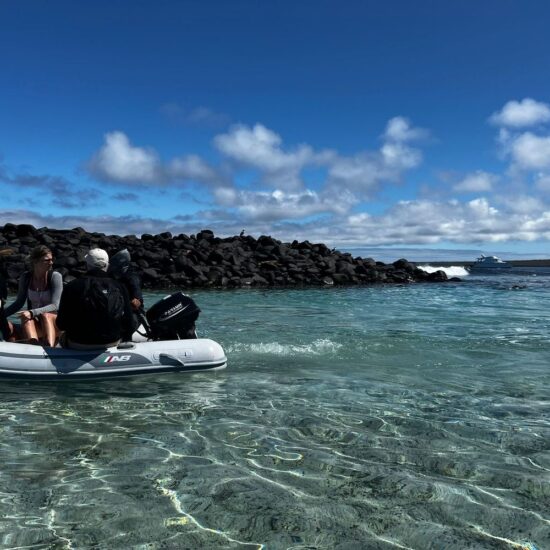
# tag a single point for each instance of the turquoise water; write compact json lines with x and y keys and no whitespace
{"x":385,"y":417}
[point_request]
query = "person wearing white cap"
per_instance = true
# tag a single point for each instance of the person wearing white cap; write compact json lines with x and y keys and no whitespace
{"x":97,"y":258}
{"x":95,"y":310}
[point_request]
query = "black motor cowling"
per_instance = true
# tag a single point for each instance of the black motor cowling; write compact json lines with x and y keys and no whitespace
{"x":173,"y":318}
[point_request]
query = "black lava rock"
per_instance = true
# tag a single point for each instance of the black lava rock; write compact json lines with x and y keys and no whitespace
{"x":165,"y":261}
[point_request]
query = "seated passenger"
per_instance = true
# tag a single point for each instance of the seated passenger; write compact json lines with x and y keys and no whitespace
{"x":95,"y":310}
{"x":120,"y":269}
{"x":41,"y":288}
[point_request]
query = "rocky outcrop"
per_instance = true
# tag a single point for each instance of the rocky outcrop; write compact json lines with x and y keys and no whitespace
{"x":203,"y":260}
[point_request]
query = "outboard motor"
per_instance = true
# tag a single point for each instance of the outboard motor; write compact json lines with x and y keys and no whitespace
{"x":173,"y":318}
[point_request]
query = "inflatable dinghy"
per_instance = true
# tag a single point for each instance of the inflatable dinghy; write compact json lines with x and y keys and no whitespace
{"x":25,"y":361}
{"x":168,"y":345}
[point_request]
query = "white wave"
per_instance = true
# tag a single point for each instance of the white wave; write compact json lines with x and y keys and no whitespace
{"x":451,"y":271}
{"x":317,"y":347}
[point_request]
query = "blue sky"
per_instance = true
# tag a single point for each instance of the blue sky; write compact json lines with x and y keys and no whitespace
{"x":358,"y":124}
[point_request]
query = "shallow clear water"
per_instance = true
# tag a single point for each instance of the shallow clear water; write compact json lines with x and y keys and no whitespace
{"x":381,"y":417}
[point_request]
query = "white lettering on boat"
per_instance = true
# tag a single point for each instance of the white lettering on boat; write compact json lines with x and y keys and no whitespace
{"x":117,"y":358}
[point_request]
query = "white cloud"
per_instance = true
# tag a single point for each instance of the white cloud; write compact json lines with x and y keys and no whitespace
{"x":399,"y":129}
{"x":398,"y":157}
{"x":282,"y":205}
{"x":119,"y":161}
{"x":364,"y":172}
{"x":523,"y":204}
{"x":275,"y":166}
{"x":261,"y":148}
{"x":481,"y":208}
{"x":477,"y":182}
{"x":288,"y":216}
{"x":360,"y":173}
{"x":518,"y":114}
{"x":432,"y":222}
{"x":192,"y":167}
{"x":530,"y":152}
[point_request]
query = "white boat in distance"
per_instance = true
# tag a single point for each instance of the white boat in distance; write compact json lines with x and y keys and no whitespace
{"x":489,"y":262}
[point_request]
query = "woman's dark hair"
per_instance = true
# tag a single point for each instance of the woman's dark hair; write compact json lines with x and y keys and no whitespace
{"x":37,"y":253}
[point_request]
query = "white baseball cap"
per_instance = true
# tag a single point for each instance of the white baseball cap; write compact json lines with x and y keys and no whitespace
{"x":97,"y":258}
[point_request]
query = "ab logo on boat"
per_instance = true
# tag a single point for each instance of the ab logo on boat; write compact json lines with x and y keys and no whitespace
{"x":117,"y":358}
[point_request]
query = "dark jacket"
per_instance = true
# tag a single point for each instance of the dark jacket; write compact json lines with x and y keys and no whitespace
{"x":80,"y":329}
{"x":132,"y":283}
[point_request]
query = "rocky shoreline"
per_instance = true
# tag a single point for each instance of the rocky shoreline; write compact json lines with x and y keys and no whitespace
{"x":203,"y":260}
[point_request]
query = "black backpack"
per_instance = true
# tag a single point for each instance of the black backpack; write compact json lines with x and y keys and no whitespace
{"x":103,"y":301}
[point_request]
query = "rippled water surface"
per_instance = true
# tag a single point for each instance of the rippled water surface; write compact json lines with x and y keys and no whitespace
{"x":385,"y":417}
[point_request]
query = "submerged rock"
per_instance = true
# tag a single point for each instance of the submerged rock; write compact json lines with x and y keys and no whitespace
{"x":205,"y":261}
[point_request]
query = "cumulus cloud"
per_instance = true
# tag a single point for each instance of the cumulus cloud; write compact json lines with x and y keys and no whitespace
{"x":399,"y":129}
{"x":530,"y":151}
{"x":523,"y":204}
{"x":263,"y":184}
{"x":192,"y":167}
{"x":518,"y":114}
{"x":526,"y":150}
{"x":399,"y":157}
{"x":360,"y":173}
{"x":477,"y":182}
{"x":432,"y":222}
{"x":283,"y":205}
{"x":120,"y":161}
{"x":365,"y":172}
{"x":261,"y":148}
{"x":274,"y":166}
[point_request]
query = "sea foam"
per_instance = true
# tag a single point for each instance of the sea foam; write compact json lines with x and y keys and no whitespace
{"x":317,"y":347}
{"x":451,"y":271}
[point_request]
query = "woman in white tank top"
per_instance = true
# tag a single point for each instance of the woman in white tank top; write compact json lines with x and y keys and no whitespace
{"x":41,"y":288}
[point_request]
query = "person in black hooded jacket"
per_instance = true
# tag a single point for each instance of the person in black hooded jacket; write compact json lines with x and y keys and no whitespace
{"x":121,"y":270}
{"x":95,"y":310}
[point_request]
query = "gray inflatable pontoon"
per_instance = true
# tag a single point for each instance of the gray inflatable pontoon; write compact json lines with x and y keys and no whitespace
{"x":28,"y":362}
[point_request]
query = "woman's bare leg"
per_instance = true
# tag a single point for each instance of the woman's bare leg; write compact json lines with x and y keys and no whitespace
{"x":49,"y":329}
{"x":29,"y":331}
{"x":13,"y":332}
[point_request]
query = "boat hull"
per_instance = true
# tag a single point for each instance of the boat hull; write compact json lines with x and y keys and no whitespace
{"x":27,"y":362}
{"x":490,"y":267}
{"x":489,"y":263}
